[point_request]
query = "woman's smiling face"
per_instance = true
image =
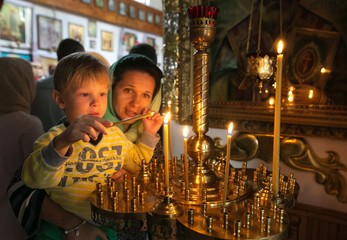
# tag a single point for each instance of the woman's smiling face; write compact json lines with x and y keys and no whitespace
{"x":133,"y":94}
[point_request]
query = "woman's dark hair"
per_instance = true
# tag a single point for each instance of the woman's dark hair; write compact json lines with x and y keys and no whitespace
{"x":137,"y":62}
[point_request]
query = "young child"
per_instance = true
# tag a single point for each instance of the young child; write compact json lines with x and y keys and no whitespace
{"x":72,"y":157}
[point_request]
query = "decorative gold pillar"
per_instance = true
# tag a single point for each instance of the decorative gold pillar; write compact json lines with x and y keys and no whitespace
{"x":200,"y":146}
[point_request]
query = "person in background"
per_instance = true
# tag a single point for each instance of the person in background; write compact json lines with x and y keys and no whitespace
{"x":43,"y":105}
{"x":81,"y":84}
{"x":19,"y":129}
{"x":39,"y":74}
{"x":145,"y":49}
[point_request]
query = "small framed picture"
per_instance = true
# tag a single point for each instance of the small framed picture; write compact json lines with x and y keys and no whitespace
{"x":111,"y":5}
{"x":106,"y":41}
{"x":99,"y":3}
{"x":92,"y":44}
{"x":87,"y":1}
{"x":151,"y":41}
{"x":76,"y":32}
{"x":132,"y":11}
{"x":130,"y":40}
{"x":142,"y":15}
{"x":157,"y":19}
{"x":92,"y":28}
{"x":15,"y":26}
{"x":122,"y":9}
{"x":49,"y":32}
{"x":150,"y":17}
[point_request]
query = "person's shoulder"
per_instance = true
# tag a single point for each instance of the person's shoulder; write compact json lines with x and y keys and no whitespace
{"x":23,"y":120}
{"x":20,"y":116}
{"x":45,"y":83}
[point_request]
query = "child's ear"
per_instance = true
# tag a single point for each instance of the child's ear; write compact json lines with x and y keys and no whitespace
{"x":58,"y":99}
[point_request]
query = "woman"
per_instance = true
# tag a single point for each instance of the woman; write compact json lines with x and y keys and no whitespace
{"x":18,"y":129}
{"x":136,"y":80}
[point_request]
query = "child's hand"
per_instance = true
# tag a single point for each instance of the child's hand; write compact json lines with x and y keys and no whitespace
{"x":152,"y":124}
{"x":118,"y":176}
{"x":84,"y":128}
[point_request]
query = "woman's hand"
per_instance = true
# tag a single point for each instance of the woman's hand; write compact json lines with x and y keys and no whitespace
{"x":87,"y":232}
{"x":152,"y":124}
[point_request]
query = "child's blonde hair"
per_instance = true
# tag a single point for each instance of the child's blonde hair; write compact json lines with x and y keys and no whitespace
{"x":77,"y":68}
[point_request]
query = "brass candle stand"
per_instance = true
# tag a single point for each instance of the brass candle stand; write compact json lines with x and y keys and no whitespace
{"x":135,"y":207}
{"x":200,"y":146}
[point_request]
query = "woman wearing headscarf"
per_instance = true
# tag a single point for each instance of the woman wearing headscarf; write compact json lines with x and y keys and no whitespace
{"x":19,"y":129}
{"x":136,"y":86}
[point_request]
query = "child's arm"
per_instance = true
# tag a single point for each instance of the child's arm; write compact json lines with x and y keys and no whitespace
{"x":45,"y":166}
{"x":36,"y":172}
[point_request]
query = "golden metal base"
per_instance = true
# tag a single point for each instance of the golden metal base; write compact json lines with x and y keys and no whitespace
{"x":134,"y":208}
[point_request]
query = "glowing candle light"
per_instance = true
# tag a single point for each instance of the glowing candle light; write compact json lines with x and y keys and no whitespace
{"x":166,"y":149}
{"x":185,"y":155}
{"x":277,"y":122}
{"x":169,"y":131}
{"x":271,"y":101}
{"x":227,"y":164}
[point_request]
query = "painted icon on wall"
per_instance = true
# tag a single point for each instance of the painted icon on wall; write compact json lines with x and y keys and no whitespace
{"x":106,"y":41}
{"x":92,"y":28}
{"x":49,"y":32}
{"x":15,"y":22}
{"x":76,"y":32}
{"x":111,"y":5}
{"x":99,"y":3}
{"x":122,"y":9}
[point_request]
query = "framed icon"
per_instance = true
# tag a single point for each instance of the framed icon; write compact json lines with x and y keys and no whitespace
{"x":49,"y":32}
{"x":76,"y":32}
{"x":106,"y":41}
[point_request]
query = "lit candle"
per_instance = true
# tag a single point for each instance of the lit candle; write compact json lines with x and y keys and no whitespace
{"x":277,"y":122}
{"x":169,"y":126}
{"x":185,"y":156}
{"x":227,"y":164}
{"x":166,"y":149}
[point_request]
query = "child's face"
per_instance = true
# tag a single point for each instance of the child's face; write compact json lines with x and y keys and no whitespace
{"x":90,"y":98}
{"x":133,"y":94}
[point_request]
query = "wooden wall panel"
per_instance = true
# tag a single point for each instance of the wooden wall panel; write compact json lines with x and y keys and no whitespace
{"x":91,"y":11}
{"x":314,"y":223}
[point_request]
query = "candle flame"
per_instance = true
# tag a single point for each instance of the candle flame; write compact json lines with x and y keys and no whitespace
{"x":324,"y":70}
{"x":167,"y":118}
{"x":310,"y":94}
{"x":185,"y":131}
{"x":230,"y":128}
{"x":280,"y":47}
{"x":169,"y":103}
{"x":290,"y":96}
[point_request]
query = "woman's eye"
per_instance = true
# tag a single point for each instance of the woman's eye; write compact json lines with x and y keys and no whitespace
{"x":128,"y":90}
{"x":103,"y":94}
{"x":147,"y":95}
{"x":84,"y":94}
